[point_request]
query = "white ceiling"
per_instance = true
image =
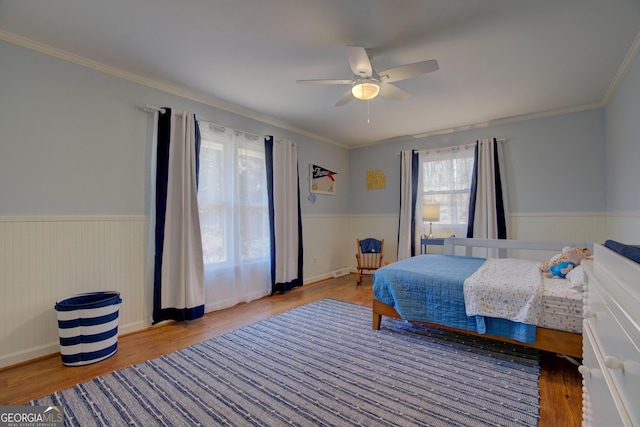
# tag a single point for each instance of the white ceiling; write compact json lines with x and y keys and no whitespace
{"x":498,"y":58}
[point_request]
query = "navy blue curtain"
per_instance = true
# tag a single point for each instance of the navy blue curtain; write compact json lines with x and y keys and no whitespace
{"x":409,"y":185}
{"x":279,"y":284}
{"x":415,"y":165}
{"x":164,"y":131}
{"x":473,"y":194}
{"x":162,"y":177}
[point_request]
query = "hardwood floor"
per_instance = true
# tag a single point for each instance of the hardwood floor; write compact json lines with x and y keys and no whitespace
{"x":560,"y":382}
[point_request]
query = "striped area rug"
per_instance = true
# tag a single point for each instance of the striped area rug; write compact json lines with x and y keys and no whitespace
{"x":320,"y":364}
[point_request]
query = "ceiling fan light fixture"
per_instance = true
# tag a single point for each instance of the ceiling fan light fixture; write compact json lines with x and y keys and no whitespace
{"x":365,"y":90}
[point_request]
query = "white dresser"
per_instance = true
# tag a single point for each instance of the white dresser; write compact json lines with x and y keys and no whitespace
{"x":611,"y":341}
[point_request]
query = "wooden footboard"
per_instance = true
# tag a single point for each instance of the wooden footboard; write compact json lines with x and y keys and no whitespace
{"x":560,"y":342}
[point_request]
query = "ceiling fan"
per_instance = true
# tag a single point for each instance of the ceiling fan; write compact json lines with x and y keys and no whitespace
{"x":367,"y":83}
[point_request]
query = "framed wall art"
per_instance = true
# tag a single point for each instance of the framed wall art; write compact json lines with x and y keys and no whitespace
{"x":322,"y":180}
{"x":376,"y":179}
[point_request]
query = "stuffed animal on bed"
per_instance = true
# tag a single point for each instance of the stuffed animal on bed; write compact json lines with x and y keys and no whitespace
{"x":562,"y":257}
{"x":560,"y":271}
{"x":562,"y":264}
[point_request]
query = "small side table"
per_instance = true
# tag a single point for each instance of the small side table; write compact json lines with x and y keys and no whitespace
{"x":424,"y":242}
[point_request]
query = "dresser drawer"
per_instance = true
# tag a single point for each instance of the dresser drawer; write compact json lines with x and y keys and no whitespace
{"x":598,"y":312}
{"x":603,"y":404}
{"x":613,"y":338}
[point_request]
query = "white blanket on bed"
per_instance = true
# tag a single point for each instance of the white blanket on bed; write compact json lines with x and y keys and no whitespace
{"x":505,"y":288}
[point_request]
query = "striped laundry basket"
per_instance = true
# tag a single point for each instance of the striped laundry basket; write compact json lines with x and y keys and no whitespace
{"x":88,"y":327}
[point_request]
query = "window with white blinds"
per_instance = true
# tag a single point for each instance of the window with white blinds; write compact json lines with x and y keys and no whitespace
{"x":445,"y":175}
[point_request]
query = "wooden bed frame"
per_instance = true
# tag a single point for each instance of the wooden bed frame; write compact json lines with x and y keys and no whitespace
{"x":561,"y":342}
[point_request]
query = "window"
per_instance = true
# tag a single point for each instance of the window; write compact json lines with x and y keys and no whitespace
{"x":232,"y":197}
{"x":446,"y":180}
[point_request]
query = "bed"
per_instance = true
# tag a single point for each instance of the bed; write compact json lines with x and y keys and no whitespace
{"x":430,"y":289}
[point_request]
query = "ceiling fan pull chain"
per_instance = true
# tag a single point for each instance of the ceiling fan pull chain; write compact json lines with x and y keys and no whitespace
{"x":368,"y":119}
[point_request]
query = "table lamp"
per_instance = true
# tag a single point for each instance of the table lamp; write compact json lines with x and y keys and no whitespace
{"x":431,"y":213}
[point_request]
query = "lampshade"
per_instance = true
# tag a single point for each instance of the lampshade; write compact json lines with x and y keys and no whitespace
{"x":365,"y":90}
{"x":431,"y":212}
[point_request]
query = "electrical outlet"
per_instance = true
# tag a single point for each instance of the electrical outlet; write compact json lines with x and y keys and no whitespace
{"x":315,"y":260}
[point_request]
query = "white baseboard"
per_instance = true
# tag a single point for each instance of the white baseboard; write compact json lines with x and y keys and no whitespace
{"x":29,"y":354}
{"x":317,"y":278}
{"x":340,"y":272}
{"x":53,"y":348}
{"x":132,"y":327}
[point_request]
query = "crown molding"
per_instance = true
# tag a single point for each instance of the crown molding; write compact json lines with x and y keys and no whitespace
{"x":212,"y":102}
{"x":631,"y":55}
{"x":513,"y":119}
{"x":622,"y":70}
{"x":154,"y":84}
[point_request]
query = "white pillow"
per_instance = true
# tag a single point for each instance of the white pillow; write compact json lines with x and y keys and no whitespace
{"x":577,"y":277}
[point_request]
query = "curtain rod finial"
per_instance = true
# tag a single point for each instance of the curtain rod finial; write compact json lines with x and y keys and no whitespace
{"x":151,"y":109}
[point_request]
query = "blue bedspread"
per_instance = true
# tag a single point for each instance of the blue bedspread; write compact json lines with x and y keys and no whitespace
{"x":429,"y":288}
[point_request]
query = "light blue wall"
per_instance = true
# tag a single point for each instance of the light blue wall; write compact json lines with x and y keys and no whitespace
{"x":553,"y":164}
{"x":72,"y":141}
{"x":623,"y":144}
{"x":331,"y":157}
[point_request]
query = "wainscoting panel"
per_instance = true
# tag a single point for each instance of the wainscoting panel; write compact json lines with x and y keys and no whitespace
{"x":44,"y":259}
{"x":584,"y":227}
{"x":624,"y":227}
{"x":376,"y":226}
{"x":326,"y":245}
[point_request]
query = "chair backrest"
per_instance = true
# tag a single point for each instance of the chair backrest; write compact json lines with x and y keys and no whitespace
{"x":370,"y":253}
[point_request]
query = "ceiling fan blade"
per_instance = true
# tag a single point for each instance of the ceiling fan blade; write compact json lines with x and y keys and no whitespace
{"x":325,"y":82}
{"x":394,"y":92}
{"x":344,"y":98}
{"x":359,"y":61}
{"x":408,"y":71}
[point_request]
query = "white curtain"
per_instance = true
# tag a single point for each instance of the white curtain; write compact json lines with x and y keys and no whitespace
{"x":178,"y":272}
{"x":286,"y":222}
{"x":408,"y":191}
{"x":488,"y":203}
{"x":234,"y":214}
